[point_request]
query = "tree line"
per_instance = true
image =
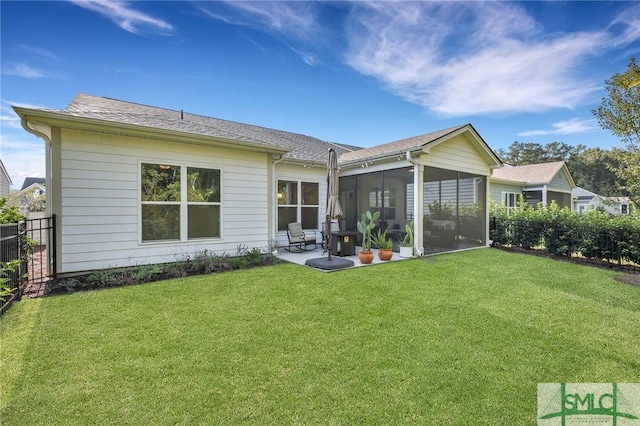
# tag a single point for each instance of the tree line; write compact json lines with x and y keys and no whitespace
{"x":614,"y":172}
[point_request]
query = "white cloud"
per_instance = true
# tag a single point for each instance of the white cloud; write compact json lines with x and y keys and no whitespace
{"x":39,"y":52}
{"x":125,"y":16}
{"x":24,"y":71}
{"x":23,"y":155}
{"x":468,"y":58}
{"x":568,"y":127}
{"x":297,"y":22}
{"x":295,"y":19}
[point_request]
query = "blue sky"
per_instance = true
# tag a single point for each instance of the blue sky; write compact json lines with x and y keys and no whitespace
{"x":362,"y":73}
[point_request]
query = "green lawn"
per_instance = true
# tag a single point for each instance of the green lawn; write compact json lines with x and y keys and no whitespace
{"x":460,"y":339}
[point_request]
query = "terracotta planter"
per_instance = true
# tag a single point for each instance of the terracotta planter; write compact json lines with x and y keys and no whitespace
{"x":385,"y":254}
{"x":365,"y":257}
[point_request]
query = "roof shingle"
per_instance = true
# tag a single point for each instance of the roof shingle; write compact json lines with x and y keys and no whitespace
{"x":302,"y":147}
{"x":534,"y":173}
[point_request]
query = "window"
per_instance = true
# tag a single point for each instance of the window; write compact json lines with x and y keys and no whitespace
{"x":179,"y":203}
{"x":510,"y":199}
{"x":624,"y":208}
{"x":387,"y":199}
{"x":298,"y":202}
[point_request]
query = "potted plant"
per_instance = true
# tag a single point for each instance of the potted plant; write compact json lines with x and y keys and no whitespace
{"x":406,"y":245}
{"x":385,"y":245}
{"x":365,"y":225}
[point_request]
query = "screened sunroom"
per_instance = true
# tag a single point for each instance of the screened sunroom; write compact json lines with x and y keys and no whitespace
{"x":438,"y":182}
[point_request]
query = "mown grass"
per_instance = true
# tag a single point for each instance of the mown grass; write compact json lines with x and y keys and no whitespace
{"x":462,"y":339}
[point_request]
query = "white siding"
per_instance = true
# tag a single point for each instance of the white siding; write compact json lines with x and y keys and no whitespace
{"x":100,"y":207}
{"x":559,"y":183}
{"x":297,"y":172}
{"x":5,"y":185}
{"x":497,"y":189}
{"x":456,"y":154}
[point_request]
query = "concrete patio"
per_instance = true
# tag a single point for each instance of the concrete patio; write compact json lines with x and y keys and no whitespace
{"x":301,"y":258}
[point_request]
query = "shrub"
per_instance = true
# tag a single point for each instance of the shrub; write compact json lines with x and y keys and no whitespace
{"x":203,"y":262}
{"x":559,"y":231}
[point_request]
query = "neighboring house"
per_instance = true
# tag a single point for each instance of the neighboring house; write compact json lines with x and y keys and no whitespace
{"x":538,"y":183}
{"x":29,"y":181}
{"x":584,"y":200}
{"x":5,"y":181}
{"x":133,"y":184}
{"x":32,"y":195}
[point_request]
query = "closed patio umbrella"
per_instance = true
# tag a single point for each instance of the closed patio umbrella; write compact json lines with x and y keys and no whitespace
{"x":334,"y":210}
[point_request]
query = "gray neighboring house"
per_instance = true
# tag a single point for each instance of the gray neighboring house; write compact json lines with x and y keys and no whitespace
{"x":584,"y":201}
{"x":539,"y":183}
{"x":5,"y":181}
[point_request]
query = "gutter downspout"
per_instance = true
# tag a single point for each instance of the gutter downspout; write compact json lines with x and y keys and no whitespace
{"x":274,"y":204}
{"x":47,"y":139}
{"x":418,"y":210}
{"x":52,"y":209}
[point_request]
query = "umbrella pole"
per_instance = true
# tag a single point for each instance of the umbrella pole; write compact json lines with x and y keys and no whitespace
{"x":327,"y":225}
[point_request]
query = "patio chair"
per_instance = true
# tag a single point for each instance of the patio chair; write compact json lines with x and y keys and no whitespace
{"x":299,"y":239}
{"x":335,"y":227}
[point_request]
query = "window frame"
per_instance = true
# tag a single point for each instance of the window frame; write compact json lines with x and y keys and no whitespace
{"x":506,"y":197}
{"x":183,"y":203}
{"x":299,"y":206}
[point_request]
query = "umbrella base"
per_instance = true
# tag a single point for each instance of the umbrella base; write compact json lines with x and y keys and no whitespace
{"x":329,"y":265}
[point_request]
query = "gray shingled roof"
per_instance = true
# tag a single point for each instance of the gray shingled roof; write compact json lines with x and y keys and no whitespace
{"x":28,"y":181}
{"x":397,"y":147}
{"x":301,"y":147}
{"x":534,"y":173}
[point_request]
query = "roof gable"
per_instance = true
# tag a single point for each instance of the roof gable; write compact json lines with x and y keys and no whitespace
{"x":421,"y":143}
{"x":4,"y":172}
{"x":542,"y":173}
{"x":28,"y":181}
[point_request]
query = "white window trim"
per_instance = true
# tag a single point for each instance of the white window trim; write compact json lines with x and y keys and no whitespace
{"x":183,"y":203}
{"x":299,"y":206}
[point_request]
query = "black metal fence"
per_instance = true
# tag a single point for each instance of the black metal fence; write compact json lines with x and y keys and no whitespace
{"x":614,"y":245}
{"x":13,"y":249}
{"x":32,"y":243}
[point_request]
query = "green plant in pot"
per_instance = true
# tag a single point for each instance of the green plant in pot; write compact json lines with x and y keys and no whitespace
{"x":406,"y":245}
{"x":365,"y":225}
{"x":384,"y":244}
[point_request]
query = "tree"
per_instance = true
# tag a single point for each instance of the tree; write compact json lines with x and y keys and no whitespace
{"x":523,"y":153}
{"x":619,"y":112}
{"x":593,"y":170}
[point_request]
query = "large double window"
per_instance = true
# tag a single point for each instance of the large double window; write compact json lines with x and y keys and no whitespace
{"x":298,"y":202}
{"x":179,"y":202}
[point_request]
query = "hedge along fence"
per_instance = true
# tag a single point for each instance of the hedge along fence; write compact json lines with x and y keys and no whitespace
{"x":561,"y":232}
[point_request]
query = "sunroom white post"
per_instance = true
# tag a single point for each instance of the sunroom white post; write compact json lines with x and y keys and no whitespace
{"x":487,"y":213}
{"x":418,"y":208}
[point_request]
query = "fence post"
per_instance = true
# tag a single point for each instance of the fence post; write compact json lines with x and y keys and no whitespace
{"x":619,"y":244}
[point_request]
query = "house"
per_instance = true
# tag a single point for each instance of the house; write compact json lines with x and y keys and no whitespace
{"x":133,"y":184}
{"x":538,"y":183}
{"x":29,"y":181}
{"x":5,"y":181}
{"x":584,"y":200}
{"x":31,"y":197}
